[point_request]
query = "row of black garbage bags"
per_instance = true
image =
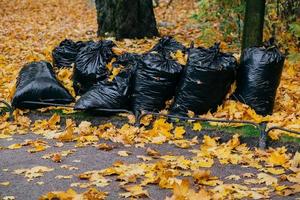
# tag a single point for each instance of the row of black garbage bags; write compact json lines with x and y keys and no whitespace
{"x":146,"y":81}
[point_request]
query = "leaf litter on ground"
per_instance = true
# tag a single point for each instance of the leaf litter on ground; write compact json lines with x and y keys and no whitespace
{"x":277,"y":170}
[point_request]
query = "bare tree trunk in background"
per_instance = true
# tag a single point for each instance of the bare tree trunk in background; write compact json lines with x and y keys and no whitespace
{"x":126,"y":18}
{"x":253,"y":23}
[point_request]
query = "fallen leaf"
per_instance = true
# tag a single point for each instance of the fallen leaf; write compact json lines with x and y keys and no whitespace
{"x":144,"y":158}
{"x":179,"y":132}
{"x":104,"y":147}
{"x":124,"y":153}
{"x":34,"y":172}
{"x":14,"y":146}
{"x":233,"y":177}
{"x":7,"y":183}
{"x":56,"y":157}
{"x":152,"y":152}
{"x":267,"y":179}
{"x":134,"y":191}
{"x":8,"y":198}
{"x":197,"y":126}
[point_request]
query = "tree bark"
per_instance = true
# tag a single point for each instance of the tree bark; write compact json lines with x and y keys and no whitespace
{"x":126,"y":18}
{"x":253,"y":23}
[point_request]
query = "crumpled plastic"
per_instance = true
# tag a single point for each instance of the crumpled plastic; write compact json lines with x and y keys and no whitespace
{"x":168,"y":45}
{"x":259,"y":77}
{"x":107,"y":95}
{"x":37,"y":82}
{"x":90,"y":65}
{"x":205,"y":81}
{"x":154,"y":82}
{"x":65,"y":54}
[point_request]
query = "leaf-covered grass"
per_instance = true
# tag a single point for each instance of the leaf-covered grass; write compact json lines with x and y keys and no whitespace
{"x":76,"y":115}
{"x":246,"y":131}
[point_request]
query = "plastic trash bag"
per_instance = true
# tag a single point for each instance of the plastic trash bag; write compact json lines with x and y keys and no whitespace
{"x":259,"y":77}
{"x":168,"y":45}
{"x":65,"y":54}
{"x":107,"y":95}
{"x":37,"y":82}
{"x":128,"y":60}
{"x":205,"y":81}
{"x":90,"y":65}
{"x":154,"y":82}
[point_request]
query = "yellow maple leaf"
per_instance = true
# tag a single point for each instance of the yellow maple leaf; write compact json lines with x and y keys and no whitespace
{"x":144,"y":158}
{"x":184,"y":144}
{"x":180,"y":57}
{"x":134,"y":191}
{"x":37,"y":148}
{"x":118,"y":51}
{"x":109,"y":65}
{"x":67,"y":136}
{"x":204,"y":162}
{"x":267,"y":179}
{"x":234,"y":142}
{"x":197,"y":126}
{"x":105,"y":147}
{"x":115,"y":71}
{"x":6,"y":183}
{"x":65,"y":76}
{"x":209,"y":142}
{"x":274,"y":171}
{"x":14,"y":146}
{"x":4,"y":136}
{"x":190,"y":114}
{"x":56,"y":157}
{"x":180,"y":190}
{"x":146,"y":120}
{"x":179,"y":132}
{"x":123,"y":153}
{"x":33,"y":172}
{"x":161,"y":127}
{"x":53,"y":121}
{"x":277,"y":158}
{"x":94,"y":194}
{"x":233,"y":177}
{"x":295,"y":162}
{"x":201,"y":174}
{"x":152,"y":152}
{"x":274,"y":135}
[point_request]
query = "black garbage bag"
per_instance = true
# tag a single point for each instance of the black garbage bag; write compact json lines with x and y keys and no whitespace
{"x":154,"y":82}
{"x":37,"y":82}
{"x":205,"y":81}
{"x":168,"y":45}
{"x":259,"y":77}
{"x":128,"y":60}
{"x":90,"y":65}
{"x":65,"y":54}
{"x":107,"y":95}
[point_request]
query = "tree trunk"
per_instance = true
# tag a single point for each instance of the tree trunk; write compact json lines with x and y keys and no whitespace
{"x":253,"y":23}
{"x":126,"y":18}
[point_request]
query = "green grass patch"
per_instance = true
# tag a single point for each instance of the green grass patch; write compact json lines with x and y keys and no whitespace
{"x":78,"y":115}
{"x":246,"y":131}
{"x":286,"y":138}
{"x":84,"y":116}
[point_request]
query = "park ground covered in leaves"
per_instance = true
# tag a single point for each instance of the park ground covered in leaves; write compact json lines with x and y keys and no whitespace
{"x":29,"y":32}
